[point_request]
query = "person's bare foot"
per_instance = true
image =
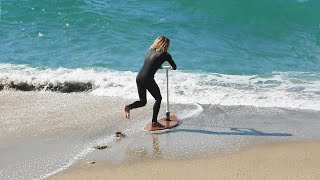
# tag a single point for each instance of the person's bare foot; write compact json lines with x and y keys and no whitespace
{"x":127,"y":112}
{"x":157,"y":124}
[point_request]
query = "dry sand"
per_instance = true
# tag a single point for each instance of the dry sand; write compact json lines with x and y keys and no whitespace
{"x":295,"y":160}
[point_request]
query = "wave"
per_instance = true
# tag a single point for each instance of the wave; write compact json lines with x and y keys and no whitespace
{"x":25,"y":78}
{"x":279,"y":89}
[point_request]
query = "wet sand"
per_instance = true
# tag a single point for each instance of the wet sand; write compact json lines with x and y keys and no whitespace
{"x":295,"y":160}
{"x":46,"y":133}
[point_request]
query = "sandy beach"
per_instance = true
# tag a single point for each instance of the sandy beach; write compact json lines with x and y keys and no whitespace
{"x":295,"y":160}
{"x":54,"y":135}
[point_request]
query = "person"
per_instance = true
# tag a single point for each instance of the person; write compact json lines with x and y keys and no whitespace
{"x":155,"y":57}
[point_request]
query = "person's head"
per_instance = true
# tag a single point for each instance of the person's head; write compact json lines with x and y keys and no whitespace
{"x":161,"y":44}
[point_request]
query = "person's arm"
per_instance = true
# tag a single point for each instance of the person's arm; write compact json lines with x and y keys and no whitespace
{"x":171,"y":62}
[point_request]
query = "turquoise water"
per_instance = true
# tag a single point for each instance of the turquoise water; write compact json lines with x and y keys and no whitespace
{"x":261,"y":53}
{"x":230,"y":37}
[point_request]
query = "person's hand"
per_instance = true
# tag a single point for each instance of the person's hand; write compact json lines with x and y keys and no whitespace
{"x":171,"y":68}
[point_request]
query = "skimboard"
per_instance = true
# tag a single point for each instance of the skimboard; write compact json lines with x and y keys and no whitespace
{"x":174,"y":122}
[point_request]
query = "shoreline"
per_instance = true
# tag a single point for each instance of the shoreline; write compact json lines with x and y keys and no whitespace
{"x":286,"y":160}
{"x":53,"y":132}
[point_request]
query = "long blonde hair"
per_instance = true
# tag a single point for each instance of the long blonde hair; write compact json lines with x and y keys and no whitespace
{"x":161,"y":44}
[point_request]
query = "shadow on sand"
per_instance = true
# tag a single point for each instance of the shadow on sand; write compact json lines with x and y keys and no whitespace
{"x":233,"y":131}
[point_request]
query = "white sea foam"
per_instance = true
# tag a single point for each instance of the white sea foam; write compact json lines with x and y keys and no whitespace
{"x":80,"y":155}
{"x":71,"y":161}
{"x":289,"y":89}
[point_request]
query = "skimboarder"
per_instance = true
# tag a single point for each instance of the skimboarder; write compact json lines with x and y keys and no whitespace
{"x":155,"y":57}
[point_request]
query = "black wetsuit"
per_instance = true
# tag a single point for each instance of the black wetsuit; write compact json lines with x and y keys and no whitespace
{"x":145,"y":80}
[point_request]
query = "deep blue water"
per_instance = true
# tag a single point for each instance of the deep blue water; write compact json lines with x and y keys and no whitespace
{"x":230,"y":37}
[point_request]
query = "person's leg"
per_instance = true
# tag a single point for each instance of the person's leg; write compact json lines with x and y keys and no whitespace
{"x":154,"y":90}
{"x":142,"y":100}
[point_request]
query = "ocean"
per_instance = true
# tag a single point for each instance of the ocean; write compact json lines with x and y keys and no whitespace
{"x":267,"y":50}
{"x":248,"y":59}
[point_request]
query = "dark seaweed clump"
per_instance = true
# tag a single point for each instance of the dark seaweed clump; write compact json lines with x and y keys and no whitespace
{"x":67,"y":87}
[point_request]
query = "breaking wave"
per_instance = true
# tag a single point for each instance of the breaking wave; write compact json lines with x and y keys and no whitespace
{"x":279,"y":89}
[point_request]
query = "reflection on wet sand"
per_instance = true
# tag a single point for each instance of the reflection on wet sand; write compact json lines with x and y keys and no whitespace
{"x":156,"y":147}
{"x":143,"y":152}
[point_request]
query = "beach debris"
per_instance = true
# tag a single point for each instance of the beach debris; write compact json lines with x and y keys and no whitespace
{"x":91,"y":162}
{"x":119,"y":134}
{"x":100,"y":147}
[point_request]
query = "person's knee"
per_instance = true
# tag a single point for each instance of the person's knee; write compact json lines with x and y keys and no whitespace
{"x":143,"y":103}
{"x":159,"y":98}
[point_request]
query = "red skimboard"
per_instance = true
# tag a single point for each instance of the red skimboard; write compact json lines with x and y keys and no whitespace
{"x":167,"y":124}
